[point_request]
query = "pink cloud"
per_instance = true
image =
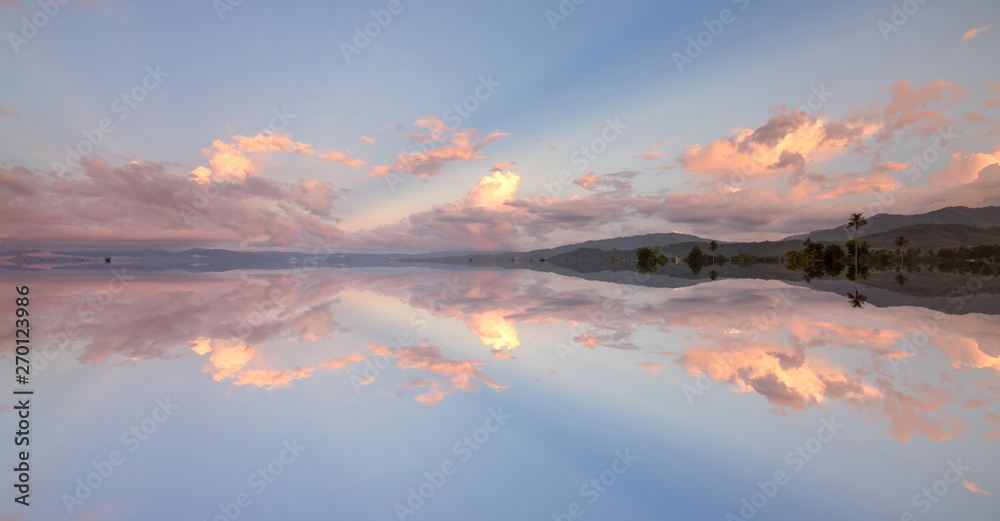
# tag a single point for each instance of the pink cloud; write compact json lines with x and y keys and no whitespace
{"x":143,"y":203}
{"x":457,"y":375}
{"x":918,"y":108}
{"x":367,"y":140}
{"x":653,"y":153}
{"x":993,"y":101}
{"x":617,"y":184}
{"x":973,"y":33}
{"x":652,"y":366}
{"x":458,"y":145}
{"x":974,"y":488}
{"x":229,"y":164}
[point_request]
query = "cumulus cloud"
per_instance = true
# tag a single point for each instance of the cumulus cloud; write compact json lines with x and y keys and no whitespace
{"x":230,"y":164}
{"x":785,"y":144}
{"x":493,"y":190}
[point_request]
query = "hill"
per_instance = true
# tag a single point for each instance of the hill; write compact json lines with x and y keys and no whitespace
{"x":979,"y":217}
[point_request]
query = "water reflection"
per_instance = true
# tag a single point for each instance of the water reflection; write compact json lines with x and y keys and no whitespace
{"x":795,"y":347}
{"x":377,"y":370}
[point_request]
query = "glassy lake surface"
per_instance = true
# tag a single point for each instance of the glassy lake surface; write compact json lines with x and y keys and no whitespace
{"x":431,"y":393}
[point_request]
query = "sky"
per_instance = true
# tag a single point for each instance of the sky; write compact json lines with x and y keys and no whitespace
{"x":401,"y":126}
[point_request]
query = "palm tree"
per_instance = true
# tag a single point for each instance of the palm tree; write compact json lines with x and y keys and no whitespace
{"x":857,"y":299}
{"x":900,"y":243}
{"x":856,"y":221}
{"x":713,"y":246}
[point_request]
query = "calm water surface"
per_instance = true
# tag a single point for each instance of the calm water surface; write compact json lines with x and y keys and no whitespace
{"x":429,"y":394}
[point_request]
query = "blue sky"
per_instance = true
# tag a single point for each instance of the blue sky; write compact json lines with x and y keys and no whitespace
{"x":556,"y":87}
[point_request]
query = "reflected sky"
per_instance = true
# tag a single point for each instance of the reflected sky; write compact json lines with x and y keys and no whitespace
{"x":384,"y":375}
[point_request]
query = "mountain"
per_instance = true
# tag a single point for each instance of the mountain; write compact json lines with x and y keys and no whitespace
{"x":936,"y":236}
{"x":629,"y":243}
{"x":978,"y":217}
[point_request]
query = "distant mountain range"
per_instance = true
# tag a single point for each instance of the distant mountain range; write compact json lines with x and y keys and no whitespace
{"x":978,"y":217}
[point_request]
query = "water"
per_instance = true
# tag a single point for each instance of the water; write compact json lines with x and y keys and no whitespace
{"x":428,"y":393}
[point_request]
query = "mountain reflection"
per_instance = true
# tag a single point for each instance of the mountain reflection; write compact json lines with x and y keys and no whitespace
{"x":916,"y":371}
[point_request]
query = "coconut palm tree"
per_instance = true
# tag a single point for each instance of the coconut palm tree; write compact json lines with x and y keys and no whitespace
{"x":900,"y":243}
{"x":857,"y":299}
{"x":713,"y":246}
{"x":856,"y":221}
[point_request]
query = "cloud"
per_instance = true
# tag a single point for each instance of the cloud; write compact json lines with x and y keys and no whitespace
{"x":493,"y":330}
{"x":229,"y":164}
{"x":617,"y":184}
{"x":652,"y":366}
{"x":281,"y":378}
{"x":455,"y":375}
{"x":143,"y":203}
{"x":973,"y":33}
{"x":974,"y":488}
{"x":993,"y":101}
{"x":993,"y":421}
{"x":458,"y":145}
{"x":502,"y":166}
{"x":764,"y":183}
{"x":785,"y":144}
{"x":493,"y":190}
{"x":653,"y":153}
{"x":367,"y":140}
{"x":917,"y":108}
